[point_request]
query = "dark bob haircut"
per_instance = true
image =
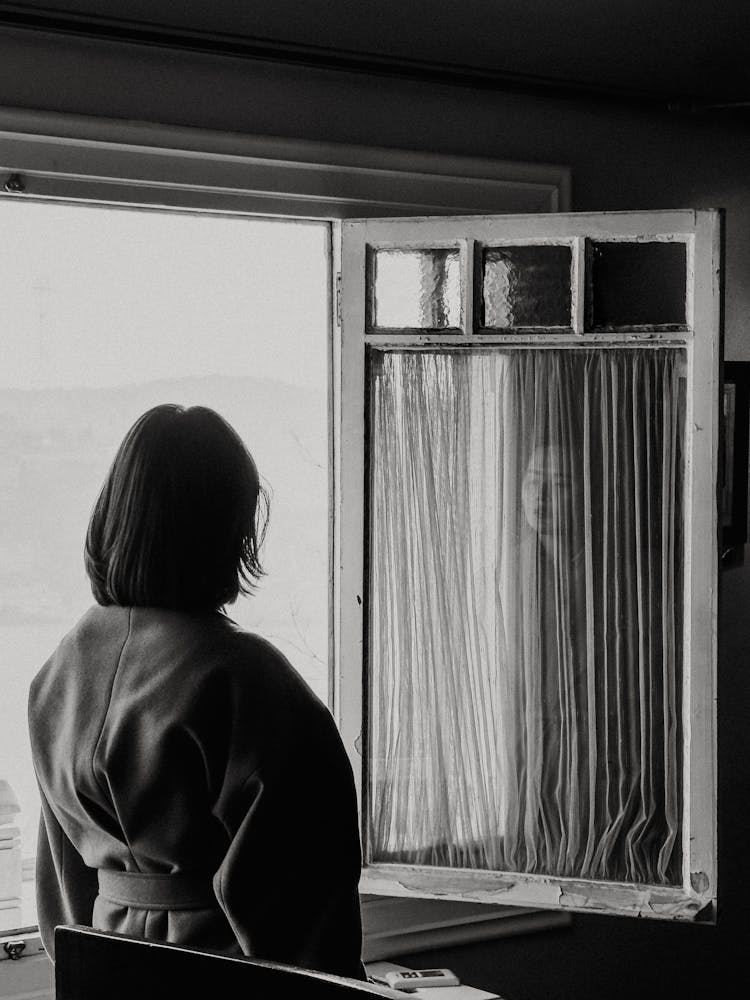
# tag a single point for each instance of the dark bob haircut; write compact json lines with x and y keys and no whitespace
{"x":181,"y":516}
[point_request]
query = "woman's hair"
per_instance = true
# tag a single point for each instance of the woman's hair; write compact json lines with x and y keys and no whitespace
{"x":181,"y":515}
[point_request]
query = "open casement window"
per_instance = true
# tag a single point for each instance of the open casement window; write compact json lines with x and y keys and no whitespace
{"x":526,"y":556}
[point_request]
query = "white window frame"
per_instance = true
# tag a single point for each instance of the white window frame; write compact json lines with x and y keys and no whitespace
{"x":91,"y":160}
{"x":700,"y":230}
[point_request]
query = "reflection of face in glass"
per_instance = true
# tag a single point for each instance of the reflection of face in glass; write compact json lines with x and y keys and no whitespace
{"x":547,"y":491}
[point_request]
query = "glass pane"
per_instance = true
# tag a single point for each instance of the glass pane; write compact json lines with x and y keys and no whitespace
{"x":526,"y":615}
{"x":636,"y":284}
{"x":526,"y":287}
{"x":727,"y":492}
{"x":415,"y":289}
{"x":106,"y":313}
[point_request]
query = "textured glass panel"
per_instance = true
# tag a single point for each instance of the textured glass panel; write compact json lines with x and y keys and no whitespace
{"x":526,"y":615}
{"x":635,"y":284}
{"x":526,"y":287}
{"x":416,"y":289}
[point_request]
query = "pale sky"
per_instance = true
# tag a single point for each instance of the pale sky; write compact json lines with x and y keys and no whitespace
{"x":93,"y":296}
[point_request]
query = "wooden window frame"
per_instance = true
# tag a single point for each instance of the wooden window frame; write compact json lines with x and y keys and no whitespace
{"x":696,"y":897}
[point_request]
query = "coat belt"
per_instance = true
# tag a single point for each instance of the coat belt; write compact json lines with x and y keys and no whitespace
{"x":157,"y":892}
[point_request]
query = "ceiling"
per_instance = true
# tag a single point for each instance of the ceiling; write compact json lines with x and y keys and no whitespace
{"x":685,"y":53}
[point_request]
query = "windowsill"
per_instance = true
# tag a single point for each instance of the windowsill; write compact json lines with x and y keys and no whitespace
{"x":399,"y":926}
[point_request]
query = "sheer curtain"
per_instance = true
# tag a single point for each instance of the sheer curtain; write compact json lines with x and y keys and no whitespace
{"x":525,"y":613}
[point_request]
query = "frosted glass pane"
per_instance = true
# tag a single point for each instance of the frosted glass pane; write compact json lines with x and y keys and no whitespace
{"x":415,"y":289}
{"x":105,"y":313}
{"x":636,"y":284}
{"x":526,"y":287}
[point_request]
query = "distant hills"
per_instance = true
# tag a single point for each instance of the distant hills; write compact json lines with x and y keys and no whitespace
{"x":56,"y":445}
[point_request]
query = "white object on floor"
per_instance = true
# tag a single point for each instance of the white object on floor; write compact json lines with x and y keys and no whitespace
{"x":379,"y":970}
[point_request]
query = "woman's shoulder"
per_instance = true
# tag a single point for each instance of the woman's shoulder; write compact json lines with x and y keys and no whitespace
{"x":250,"y":653}
{"x":96,"y":632}
{"x":266,"y":691}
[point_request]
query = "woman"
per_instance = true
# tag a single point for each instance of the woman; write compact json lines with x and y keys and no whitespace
{"x":194,"y":790}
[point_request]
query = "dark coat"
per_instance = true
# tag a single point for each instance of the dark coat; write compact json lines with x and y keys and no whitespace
{"x":172,"y":743}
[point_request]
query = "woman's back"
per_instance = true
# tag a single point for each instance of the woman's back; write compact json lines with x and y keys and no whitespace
{"x":175,"y":745}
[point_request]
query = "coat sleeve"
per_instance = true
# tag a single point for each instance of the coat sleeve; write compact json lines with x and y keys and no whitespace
{"x":289,"y":882}
{"x":65,"y":887}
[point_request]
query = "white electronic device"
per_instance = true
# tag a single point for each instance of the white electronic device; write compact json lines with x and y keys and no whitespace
{"x":409,"y":980}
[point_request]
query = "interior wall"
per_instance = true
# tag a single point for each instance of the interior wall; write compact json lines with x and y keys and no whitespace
{"x":621,"y":158}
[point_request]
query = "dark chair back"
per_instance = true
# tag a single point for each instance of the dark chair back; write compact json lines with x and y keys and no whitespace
{"x":93,"y":965}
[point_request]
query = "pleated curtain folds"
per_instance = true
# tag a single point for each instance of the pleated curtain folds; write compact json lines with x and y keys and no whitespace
{"x":526,"y":610}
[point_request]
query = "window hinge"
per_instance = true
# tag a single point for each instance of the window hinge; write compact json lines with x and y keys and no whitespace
{"x":15,"y":184}
{"x":14,"y":949}
{"x":338,"y":299}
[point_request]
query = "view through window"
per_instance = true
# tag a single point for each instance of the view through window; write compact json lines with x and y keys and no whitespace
{"x":104,"y":313}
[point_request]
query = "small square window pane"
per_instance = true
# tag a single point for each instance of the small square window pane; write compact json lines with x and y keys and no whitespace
{"x":415,"y":289}
{"x":526,"y":286}
{"x":636,"y":285}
